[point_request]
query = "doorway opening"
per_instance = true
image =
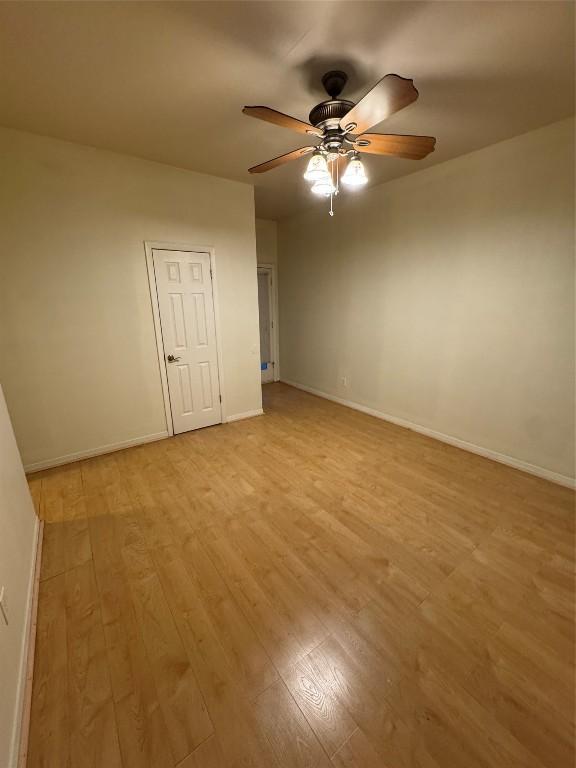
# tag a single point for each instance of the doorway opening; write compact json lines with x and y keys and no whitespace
{"x":267,"y":310}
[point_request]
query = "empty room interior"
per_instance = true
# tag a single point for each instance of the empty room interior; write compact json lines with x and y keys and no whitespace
{"x":287,"y":368}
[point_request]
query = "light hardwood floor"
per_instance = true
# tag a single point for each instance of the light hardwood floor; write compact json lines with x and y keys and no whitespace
{"x":312,"y":588}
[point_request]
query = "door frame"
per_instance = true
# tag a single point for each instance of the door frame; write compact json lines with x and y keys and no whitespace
{"x":160,"y":245}
{"x":274,"y":336}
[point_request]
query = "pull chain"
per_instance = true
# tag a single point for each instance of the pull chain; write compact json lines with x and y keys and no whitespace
{"x":335,"y":174}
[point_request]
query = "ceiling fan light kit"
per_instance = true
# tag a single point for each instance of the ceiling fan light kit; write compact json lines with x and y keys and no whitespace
{"x":341,"y":127}
{"x":355,"y":175}
{"x":317,"y":167}
{"x":324,"y":187}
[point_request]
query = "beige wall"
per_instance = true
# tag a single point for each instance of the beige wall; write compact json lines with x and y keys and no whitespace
{"x":266,"y":241}
{"x":446,"y":298}
{"x":17,"y":553}
{"x":78,"y":358}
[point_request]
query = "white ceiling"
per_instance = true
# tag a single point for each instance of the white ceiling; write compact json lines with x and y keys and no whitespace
{"x":166,"y":81}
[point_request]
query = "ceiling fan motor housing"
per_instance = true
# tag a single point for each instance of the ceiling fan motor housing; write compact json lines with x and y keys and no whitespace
{"x":328,"y":114}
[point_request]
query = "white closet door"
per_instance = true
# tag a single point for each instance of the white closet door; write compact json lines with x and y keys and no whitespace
{"x":184,"y":286}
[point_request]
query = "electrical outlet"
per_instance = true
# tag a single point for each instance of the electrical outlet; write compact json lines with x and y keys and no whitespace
{"x":344,"y":381}
{"x":3,"y":605}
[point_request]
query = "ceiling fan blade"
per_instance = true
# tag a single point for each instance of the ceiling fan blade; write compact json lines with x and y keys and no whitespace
{"x":279,"y":118}
{"x":294,"y":155}
{"x":388,"y":96}
{"x":410,"y":147}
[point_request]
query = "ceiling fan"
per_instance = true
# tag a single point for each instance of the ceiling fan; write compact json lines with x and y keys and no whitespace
{"x":341,"y":127}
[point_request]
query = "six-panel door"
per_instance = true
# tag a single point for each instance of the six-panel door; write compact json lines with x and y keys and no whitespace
{"x":184,"y":286}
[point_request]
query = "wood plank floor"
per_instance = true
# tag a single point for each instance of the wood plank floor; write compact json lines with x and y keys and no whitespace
{"x":313,"y":588}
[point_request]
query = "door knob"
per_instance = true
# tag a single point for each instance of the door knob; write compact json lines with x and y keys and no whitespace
{"x":172,"y":359}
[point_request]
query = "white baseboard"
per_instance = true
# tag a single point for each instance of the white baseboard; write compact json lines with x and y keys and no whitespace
{"x":524,"y":466}
{"x":110,"y":448}
{"x":245,"y":415}
{"x":24,"y":693}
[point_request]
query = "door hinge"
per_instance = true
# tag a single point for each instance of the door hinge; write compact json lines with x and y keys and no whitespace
{"x":220,"y":398}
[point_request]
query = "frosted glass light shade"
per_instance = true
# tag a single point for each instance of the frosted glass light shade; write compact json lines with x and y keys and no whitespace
{"x":324,"y":187}
{"x":317,"y":168}
{"x":354,"y":175}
